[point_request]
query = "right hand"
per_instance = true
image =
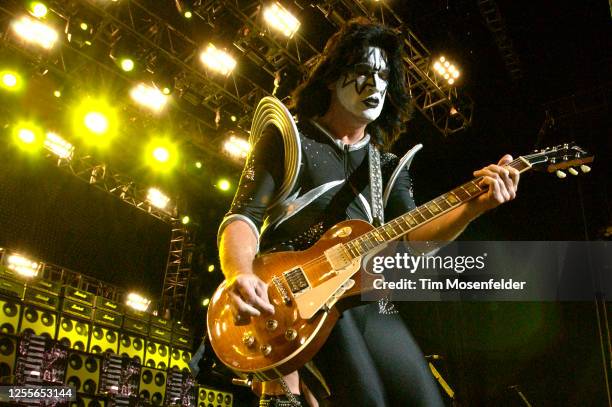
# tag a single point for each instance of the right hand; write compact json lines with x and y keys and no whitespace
{"x":249,"y":297}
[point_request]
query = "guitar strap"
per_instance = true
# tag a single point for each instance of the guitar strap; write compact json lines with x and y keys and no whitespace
{"x":376,"y":194}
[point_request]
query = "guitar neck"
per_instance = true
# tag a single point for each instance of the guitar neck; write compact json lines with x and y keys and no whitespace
{"x":420,"y":215}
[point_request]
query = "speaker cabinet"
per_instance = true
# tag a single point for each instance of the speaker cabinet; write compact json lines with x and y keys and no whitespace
{"x":86,"y":400}
{"x":214,"y":398}
{"x":152,"y":385}
{"x":179,"y":359}
{"x":9,"y":316}
{"x":103,"y":340}
{"x":8,"y":356}
{"x":38,"y":321}
{"x":83,"y":372}
{"x":132,"y":346}
{"x":157,"y":355}
{"x":73,"y":333}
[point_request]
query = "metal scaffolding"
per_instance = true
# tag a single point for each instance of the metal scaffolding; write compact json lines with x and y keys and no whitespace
{"x":178,"y":274}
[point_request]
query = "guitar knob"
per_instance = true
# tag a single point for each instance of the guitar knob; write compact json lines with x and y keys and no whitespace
{"x":290,"y":334}
{"x":248,"y":339}
{"x":561,"y":174}
{"x":271,"y":324}
{"x":585,"y":168}
{"x":572,"y":171}
{"x":265,"y":349}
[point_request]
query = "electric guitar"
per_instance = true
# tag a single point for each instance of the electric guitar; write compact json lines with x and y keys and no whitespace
{"x":310,"y":289}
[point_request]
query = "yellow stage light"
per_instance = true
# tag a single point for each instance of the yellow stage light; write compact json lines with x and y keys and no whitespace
{"x":205,"y":302}
{"x":188,"y":14}
{"x":157,"y":198}
{"x":137,"y":302}
{"x":185,"y":220}
{"x":10,"y":80}
{"x":218,"y":60}
{"x":28,"y":136}
{"x":38,"y":9}
{"x":149,"y":97}
{"x":281,"y":19}
{"x":23,"y":266}
{"x":198,"y":165}
{"x":127,"y":64}
{"x":161,"y":154}
{"x":35,"y":32}
{"x":96,"y":121}
{"x":224,"y":185}
{"x":57,"y":93}
{"x":211,"y":268}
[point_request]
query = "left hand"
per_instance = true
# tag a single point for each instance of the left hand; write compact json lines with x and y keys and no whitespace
{"x":502,"y":182}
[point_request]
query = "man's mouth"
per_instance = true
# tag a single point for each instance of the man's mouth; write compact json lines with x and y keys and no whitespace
{"x":371,"y":102}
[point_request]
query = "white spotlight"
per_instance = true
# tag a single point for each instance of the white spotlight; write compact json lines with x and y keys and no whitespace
{"x":138,"y":302}
{"x":35,"y":32}
{"x":157,"y":198}
{"x":236,"y":147}
{"x":281,"y":19}
{"x":218,"y":60}
{"x":59,"y":146}
{"x":22,"y":265}
{"x":149,"y":96}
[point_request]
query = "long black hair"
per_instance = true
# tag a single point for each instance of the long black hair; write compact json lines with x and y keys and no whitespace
{"x":342,"y":51}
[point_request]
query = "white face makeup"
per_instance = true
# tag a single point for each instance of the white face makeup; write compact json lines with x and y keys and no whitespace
{"x":362,"y":91}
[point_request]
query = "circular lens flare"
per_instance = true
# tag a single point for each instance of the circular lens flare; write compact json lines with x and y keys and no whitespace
{"x":9,"y":80}
{"x":127,"y":64}
{"x":26,"y":135}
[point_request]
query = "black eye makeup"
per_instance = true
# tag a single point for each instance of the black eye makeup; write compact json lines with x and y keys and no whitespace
{"x":363,"y":69}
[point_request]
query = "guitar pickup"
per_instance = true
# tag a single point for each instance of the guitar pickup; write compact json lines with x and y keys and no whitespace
{"x":296,"y":280}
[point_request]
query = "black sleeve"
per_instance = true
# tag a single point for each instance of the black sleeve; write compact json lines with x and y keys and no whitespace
{"x":400,"y":199}
{"x":261,"y":177}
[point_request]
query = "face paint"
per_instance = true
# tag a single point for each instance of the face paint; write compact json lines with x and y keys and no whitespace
{"x":362,"y":91}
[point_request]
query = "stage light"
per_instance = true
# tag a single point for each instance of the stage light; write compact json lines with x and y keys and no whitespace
{"x":233,"y":118}
{"x":185,"y":220}
{"x":188,"y":14}
{"x":236,"y":147}
{"x":38,"y":9}
{"x":127,"y":64}
{"x":447,"y":70}
{"x":218,"y":60}
{"x":149,"y":97}
{"x":57,"y":93}
{"x":224,"y":185}
{"x":35,"y":32}
{"x":96,"y":122}
{"x":23,"y":266}
{"x":198,"y":165}
{"x":59,"y":146}
{"x":211,"y":268}
{"x":205,"y":302}
{"x":28,"y":136}
{"x":161,"y":154}
{"x":11,"y":80}
{"x":157,"y":198}
{"x":137,"y":302}
{"x":281,"y":19}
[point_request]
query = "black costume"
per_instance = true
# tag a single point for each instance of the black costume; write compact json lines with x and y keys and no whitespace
{"x":370,"y":359}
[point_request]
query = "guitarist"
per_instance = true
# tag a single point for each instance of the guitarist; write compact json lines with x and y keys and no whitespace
{"x":354,"y":97}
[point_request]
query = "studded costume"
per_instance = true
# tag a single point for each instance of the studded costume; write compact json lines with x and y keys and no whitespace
{"x":332,"y":184}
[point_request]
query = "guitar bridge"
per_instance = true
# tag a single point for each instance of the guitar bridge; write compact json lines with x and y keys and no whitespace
{"x":296,"y":279}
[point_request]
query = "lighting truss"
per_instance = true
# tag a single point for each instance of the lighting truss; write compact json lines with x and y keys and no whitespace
{"x":178,"y":273}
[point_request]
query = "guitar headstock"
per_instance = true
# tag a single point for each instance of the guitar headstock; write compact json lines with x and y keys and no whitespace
{"x":564,"y":156}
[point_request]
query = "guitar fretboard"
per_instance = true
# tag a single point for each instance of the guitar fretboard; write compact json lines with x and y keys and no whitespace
{"x":422,"y":214}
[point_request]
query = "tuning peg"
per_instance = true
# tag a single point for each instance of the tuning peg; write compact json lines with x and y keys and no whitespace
{"x":572,"y":171}
{"x":585,"y":168}
{"x":561,"y":174}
